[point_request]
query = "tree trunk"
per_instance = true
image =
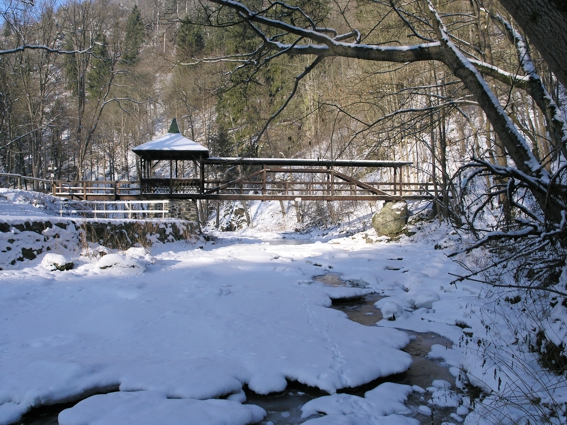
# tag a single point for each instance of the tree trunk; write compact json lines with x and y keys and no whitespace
{"x":545,"y":23}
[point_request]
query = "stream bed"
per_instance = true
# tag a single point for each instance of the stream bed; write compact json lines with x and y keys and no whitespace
{"x":285,"y":408}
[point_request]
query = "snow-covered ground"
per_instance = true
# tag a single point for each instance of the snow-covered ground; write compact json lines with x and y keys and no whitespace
{"x":175,"y":335}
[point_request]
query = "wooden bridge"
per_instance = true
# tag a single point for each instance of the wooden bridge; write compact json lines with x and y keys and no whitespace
{"x":174,"y":167}
{"x":264,"y":179}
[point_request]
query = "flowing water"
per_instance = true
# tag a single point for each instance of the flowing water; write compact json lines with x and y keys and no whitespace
{"x":285,"y":408}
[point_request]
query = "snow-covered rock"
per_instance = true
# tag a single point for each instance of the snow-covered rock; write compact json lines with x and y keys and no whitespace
{"x":422,"y":298}
{"x":391,"y":219}
{"x":54,"y":262}
{"x":390,"y":309}
{"x":121,"y":262}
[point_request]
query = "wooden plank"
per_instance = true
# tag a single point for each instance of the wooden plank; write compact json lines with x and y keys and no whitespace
{"x":305,"y":162}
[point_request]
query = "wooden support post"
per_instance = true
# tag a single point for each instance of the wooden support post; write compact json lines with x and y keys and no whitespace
{"x":395,"y":180}
{"x":202,"y":178}
{"x":116,"y":184}
{"x":332,"y":182}
{"x":218,"y":214}
{"x":85,"y":190}
{"x":263,"y":179}
{"x":170,"y":176}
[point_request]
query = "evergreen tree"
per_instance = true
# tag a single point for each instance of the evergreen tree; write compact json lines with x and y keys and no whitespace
{"x":71,"y":71}
{"x":134,"y":36}
{"x":190,"y":39}
{"x":101,"y":69}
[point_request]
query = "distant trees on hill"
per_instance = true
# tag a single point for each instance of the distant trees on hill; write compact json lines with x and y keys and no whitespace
{"x":268,"y":89}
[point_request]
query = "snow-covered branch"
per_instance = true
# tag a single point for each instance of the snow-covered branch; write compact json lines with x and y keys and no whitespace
{"x":42,"y":47}
{"x":325,"y":46}
{"x":311,"y":40}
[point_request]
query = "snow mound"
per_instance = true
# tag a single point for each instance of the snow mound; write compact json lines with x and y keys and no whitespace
{"x":18,"y":203}
{"x":54,"y":262}
{"x":422,"y":298}
{"x":119,"y":261}
{"x":152,"y":407}
{"x":382,"y":405}
{"x":442,"y":395}
{"x":390,"y":309}
{"x":140,"y":253}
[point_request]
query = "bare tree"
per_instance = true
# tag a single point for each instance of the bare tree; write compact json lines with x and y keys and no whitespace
{"x":282,"y":29}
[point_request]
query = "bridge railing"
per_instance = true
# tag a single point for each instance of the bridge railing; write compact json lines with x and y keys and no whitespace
{"x":115,"y":209}
{"x":322,"y":188}
{"x":170,"y":186}
{"x":17,"y":181}
{"x":96,"y":188}
{"x":264,"y":183}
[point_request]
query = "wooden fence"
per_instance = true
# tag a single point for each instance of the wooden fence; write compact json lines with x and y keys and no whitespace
{"x":115,"y":209}
{"x":96,"y":189}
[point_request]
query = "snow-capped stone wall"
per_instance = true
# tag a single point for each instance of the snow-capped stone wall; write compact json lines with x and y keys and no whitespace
{"x":26,"y":238}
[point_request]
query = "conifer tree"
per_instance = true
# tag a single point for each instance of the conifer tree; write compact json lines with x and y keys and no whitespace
{"x":190,"y":39}
{"x":134,"y":36}
{"x":101,"y":69}
{"x":71,"y":71}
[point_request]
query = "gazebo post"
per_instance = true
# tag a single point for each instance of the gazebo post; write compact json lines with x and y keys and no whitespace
{"x":170,"y":176}
{"x":202,"y":177}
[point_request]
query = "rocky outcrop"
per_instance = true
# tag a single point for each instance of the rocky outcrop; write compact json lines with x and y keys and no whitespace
{"x":391,"y":219}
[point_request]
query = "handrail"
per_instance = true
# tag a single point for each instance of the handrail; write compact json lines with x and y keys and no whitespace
{"x":42,"y":185}
{"x":25,"y":177}
{"x":128,"y":208}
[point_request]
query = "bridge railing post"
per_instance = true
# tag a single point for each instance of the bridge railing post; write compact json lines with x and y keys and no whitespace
{"x":401,"y":183}
{"x":263,"y":179}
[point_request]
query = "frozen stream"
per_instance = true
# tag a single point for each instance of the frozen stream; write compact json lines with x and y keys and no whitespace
{"x":285,"y":408}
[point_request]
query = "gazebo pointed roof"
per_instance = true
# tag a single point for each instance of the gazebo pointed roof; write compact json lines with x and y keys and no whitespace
{"x":172,"y":146}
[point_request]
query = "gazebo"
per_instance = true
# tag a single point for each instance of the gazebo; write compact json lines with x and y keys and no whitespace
{"x":172,"y":148}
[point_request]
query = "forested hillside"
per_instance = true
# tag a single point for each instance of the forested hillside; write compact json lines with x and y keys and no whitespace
{"x":132,"y":66}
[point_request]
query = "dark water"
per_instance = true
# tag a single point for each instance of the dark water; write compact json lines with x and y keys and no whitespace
{"x":285,"y":408}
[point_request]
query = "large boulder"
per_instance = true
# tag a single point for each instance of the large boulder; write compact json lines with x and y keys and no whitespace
{"x":391,"y":219}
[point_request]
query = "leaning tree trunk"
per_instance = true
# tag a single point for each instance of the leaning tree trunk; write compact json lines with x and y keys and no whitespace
{"x":513,"y":142}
